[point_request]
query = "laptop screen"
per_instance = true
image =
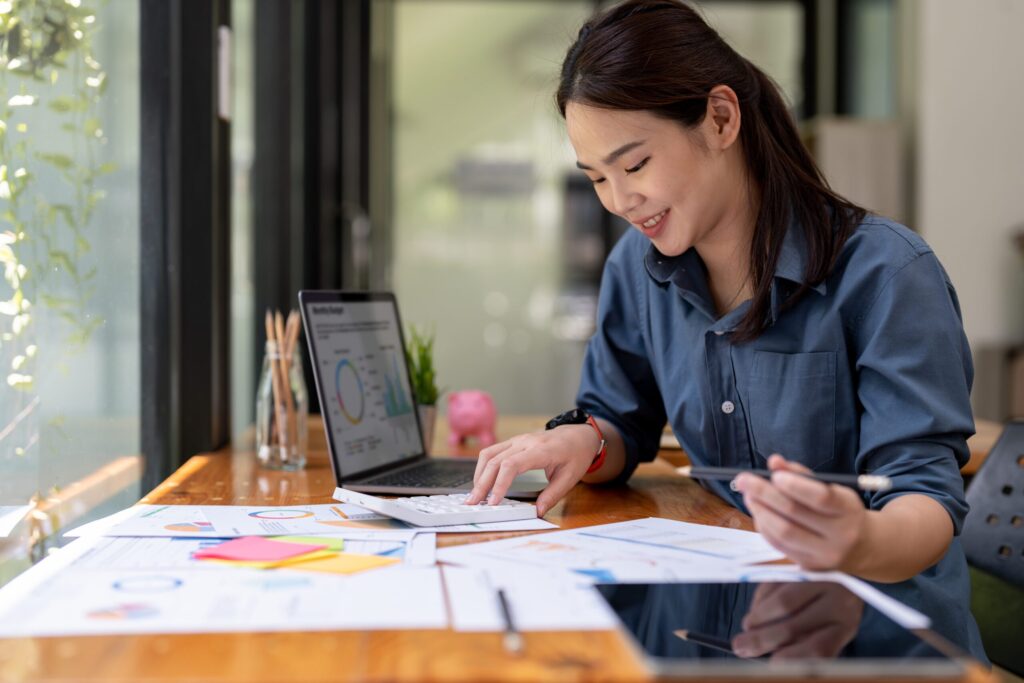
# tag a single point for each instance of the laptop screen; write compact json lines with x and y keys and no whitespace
{"x":362,"y":378}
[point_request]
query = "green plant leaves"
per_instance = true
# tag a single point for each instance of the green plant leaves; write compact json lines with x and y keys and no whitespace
{"x":420,"y":353}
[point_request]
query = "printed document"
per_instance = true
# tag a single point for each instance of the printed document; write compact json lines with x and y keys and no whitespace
{"x":102,"y":585}
{"x":643,"y":550}
{"x":229,"y":521}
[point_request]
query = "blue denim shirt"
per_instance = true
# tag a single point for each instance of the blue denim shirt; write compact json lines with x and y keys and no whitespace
{"x":870,"y":372}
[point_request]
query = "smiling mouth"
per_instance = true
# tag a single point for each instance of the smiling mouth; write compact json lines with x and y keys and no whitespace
{"x":653,"y":221}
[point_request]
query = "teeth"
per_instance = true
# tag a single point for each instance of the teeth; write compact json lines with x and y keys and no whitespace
{"x":654,"y":221}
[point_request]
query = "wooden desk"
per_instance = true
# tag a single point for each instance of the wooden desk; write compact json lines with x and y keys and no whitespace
{"x":233,"y":477}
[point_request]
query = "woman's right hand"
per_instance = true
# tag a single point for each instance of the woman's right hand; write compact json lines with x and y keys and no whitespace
{"x":564,"y":453}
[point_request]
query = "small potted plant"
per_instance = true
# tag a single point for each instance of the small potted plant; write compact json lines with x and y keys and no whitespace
{"x":420,"y":352}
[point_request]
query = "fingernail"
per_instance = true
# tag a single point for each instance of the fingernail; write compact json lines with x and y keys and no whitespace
{"x":541,"y":510}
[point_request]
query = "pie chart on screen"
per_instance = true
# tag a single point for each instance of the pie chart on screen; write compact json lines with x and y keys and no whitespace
{"x":348,"y":387}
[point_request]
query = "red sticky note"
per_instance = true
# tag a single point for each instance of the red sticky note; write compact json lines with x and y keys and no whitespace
{"x":256,"y":548}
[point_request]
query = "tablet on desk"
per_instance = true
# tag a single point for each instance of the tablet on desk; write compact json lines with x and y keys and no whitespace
{"x":790,"y":629}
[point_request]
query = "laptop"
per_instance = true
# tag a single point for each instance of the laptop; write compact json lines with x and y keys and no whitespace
{"x":369,"y":413}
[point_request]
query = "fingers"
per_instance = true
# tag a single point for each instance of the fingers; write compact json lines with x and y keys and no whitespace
{"x":488,"y":453}
{"x":811,"y":551}
{"x":798,"y":612}
{"x":783,"y":534}
{"x":777,"y":462}
{"x":827,"y":499}
{"x":558,"y":485}
{"x":505,"y":470}
{"x":786,"y":600}
{"x":564,"y":454}
{"x":487,"y":469}
{"x":766,"y":494}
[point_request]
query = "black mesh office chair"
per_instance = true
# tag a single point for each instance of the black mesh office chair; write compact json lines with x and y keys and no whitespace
{"x":993,"y":538}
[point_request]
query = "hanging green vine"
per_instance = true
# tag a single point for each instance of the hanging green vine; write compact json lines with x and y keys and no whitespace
{"x":48,"y":193}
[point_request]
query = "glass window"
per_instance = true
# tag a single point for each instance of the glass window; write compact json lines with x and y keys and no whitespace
{"x":769,"y":34}
{"x":482,"y":169}
{"x":69,"y":245}
{"x":867,"y":84}
{"x":498,"y":240}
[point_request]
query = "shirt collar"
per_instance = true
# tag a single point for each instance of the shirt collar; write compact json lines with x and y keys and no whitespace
{"x":792,"y":263}
{"x":687,"y":272}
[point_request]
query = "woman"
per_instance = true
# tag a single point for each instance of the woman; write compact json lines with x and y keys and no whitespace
{"x":771,"y":322}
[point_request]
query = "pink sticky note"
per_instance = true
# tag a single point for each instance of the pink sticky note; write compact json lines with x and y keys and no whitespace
{"x":256,"y":548}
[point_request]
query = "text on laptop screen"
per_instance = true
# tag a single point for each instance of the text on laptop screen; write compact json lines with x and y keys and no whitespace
{"x":363,"y":374}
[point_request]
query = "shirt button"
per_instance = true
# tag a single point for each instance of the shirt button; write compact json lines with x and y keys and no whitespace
{"x":728,"y":407}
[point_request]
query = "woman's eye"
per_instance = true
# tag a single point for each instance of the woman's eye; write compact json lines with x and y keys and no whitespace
{"x":596,"y":181}
{"x":638,"y":166}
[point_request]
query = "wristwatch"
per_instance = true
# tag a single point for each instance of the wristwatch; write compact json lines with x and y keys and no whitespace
{"x":578,"y":416}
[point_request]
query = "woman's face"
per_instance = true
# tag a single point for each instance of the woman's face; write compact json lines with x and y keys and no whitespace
{"x":661,"y":177}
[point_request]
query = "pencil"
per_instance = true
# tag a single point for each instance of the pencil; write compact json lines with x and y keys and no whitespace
{"x":275,"y":382}
{"x":286,"y":381}
{"x":862,"y":482}
{"x":513,"y":640}
{"x":292,"y":334}
{"x":705,"y":640}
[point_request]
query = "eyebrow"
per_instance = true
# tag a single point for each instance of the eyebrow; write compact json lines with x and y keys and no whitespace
{"x":610,"y":159}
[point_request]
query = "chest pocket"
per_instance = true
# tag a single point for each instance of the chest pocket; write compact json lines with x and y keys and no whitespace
{"x":792,"y":405}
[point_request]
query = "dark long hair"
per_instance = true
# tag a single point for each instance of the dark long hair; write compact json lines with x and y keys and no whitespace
{"x":660,"y":56}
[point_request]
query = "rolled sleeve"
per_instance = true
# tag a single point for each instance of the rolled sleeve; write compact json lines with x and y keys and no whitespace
{"x":617,"y":383}
{"x":915,"y":372}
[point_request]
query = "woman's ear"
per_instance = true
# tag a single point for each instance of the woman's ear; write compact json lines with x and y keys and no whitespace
{"x":722,"y":119}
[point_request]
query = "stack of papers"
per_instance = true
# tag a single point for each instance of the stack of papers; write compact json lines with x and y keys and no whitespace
{"x":168,"y":569}
{"x":227,"y":521}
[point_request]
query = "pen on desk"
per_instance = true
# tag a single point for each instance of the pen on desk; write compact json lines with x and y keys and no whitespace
{"x":863,"y":482}
{"x":705,"y":640}
{"x":513,"y":639}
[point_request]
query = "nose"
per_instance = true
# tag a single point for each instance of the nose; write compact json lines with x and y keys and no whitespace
{"x":623,"y":199}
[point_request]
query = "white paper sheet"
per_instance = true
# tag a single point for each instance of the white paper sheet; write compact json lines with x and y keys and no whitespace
{"x":152,"y":520}
{"x":319,"y":519}
{"x":106,"y":586}
{"x":538,"y":601}
{"x":10,"y":515}
{"x":229,"y":521}
{"x":639,"y":551}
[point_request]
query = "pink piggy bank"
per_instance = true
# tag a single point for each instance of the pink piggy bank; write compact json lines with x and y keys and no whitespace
{"x":471,"y":413}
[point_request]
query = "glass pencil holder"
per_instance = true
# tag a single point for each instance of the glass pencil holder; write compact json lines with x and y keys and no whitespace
{"x":282,"y":407}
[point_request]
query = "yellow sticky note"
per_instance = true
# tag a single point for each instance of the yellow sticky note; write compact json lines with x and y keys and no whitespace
{"x":335,"y":544}
{"x":345,"y":563}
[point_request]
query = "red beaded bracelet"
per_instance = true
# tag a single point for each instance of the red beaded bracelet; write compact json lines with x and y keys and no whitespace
{"x":601,"y":450}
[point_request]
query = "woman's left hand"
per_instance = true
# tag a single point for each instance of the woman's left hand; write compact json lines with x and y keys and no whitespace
{"x":816,"y":525}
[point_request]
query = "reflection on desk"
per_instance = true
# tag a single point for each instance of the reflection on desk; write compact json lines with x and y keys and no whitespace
{"x":799,"y":628}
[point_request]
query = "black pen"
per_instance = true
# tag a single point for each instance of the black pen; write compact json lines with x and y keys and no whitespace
{"x":513,"y":639}
{"x":862,"y":482}
{"x":705,"y":640}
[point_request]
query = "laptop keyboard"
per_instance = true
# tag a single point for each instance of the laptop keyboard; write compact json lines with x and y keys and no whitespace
{"x":430,"y":475}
